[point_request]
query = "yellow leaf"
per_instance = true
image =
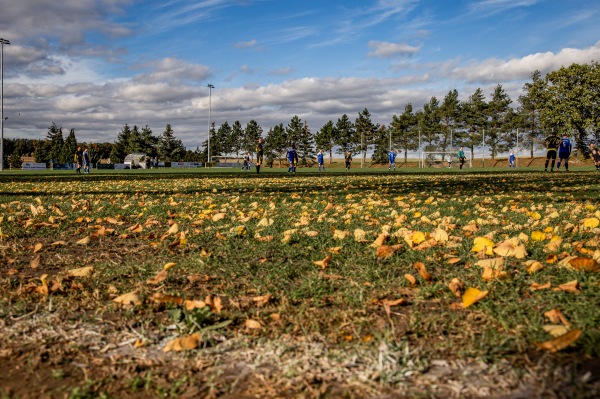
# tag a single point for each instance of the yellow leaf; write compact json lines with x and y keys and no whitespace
{"x":84,"y":241}
{"x":560,"y":343}
{"x":183,"y":343}
{"x":472,"y":296}
{"x":440,"y":235}
{"x":339,"y":234}
{"x":194,"y":304}
{"x":556,"y":330}
{"x":553,"y":245}
{"x":411,"y":279}
{"x":533,"y":266}
{"x":417,"y":237}
{"x":170,"y":265}
{"x":253,"y":324}
{"x":129,"y":299}
{"x":508,"y":248}
{"x":381,"y":239}
{"x":86,"y":271}
{"x":360,"y":235}
{"x":591,"y":223}
{"x":481,"y":244}
{"x":174,"y":229}
{"x":538,"y":236}
{"x":218,"y":216}
{"x":535,"y":215}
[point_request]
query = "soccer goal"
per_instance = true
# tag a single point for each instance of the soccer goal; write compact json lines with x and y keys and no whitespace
{"x":444,"y":159}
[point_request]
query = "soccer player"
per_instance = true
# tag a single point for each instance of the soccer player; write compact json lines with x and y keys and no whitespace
{"x":259,"y":154}
{"x":595,"y":155}
{"x":552,"y":143}
{"x":348,"y":159}
{"x":449,"y":160}
{"x":320,"y":160}
{"x":78,"y":158}
{"x":392,"y":159}
{"x":461,"y":157}
{"x":292,"y":156}
{"x":564,"y":152}
{"x":511,"y":159}
{"x":86,"y":161}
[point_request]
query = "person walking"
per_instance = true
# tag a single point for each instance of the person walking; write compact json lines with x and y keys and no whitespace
{"x":348,"y":159}
{"x":259,"y":154}
{"x":78,"y":159}
{"x":86,"y":160}
{"x":461,"y":157}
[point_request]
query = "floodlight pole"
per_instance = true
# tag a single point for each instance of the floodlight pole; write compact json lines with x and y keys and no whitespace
{"x":483,"y":149}
{"x":420,"y":155}
{"x":2,"y":43}
{"x":517,"y":155}
{"x":210,"y":87}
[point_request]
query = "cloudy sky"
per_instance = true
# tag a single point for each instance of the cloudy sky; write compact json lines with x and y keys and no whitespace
{"x":94,"y":65}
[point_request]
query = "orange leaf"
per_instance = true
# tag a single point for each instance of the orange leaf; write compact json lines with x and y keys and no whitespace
{"x":220,"y":236}
{"x":323,"y":263}
{"x":584,"y":264}
{"x":194,"y":304}
{"x":163,"y":298}
{"x":536,"y":286}
{"x":571,"y":286}
{"x":385,"y":251}
{"x":420,"y":267}
{"x":253,"y":324}
{"x":411,"y":279}
{"x":556,"y":316}
{"x":560,"y":343}
{"x":183,"y":343}
{"x":159,"y":278}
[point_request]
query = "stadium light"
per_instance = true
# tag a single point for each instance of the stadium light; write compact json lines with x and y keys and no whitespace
{"x":2,"y":43}
{"x":210,"y":87}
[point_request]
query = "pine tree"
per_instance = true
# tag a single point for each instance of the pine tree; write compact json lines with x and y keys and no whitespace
{"x":529,"y":111}
{"x":381,"y":140}
{"x":345,"y":135}
{"x":223,"y":140}
{"x":365,"y":129}
{"x":251,"y":134}
{"x":69,"y":148}
{"x":474,"y":119}
{"x":276,"y":142}
{"x":148,"y":142}
{"x":404,"y":130}
{"x":499,"y":113}
{"x":306,"y":146}
{"x":293,"y":131}
{"x":170,"y":149}
{"x":56,"y":143}
{"x":42,"y":151}
{"x":449,"y":112}
{"x":325,"y":139}
{"x":134,"y":141}
{"x":121,"y":146}
{"x":237,"y":138}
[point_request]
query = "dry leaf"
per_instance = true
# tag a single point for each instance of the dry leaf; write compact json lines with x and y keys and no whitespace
{"x":183,"y":343}
{"x":440,"y":235}
{"x":335,"y":250}
{"x":253,"y":324}
{"x":571,"y":286}
{"x":420,"y":267}
{"x":174,"y":229}
{"x":584,"y":264}
{"x":323,"y":263}
{"x":538,"y":236}
{"x":360,"y":235}
{"x":560,"y":343}
{"x":556,"y":330}
{"x":481,"y":244}
{"x":339,"y":234}
{"x":84,"y":241}
{"x":556,"y":316}
{"x":508,"y":248}
{"x":453,"y":261}
{"x":472,"y":296}
{"x":35,"y":262}
{"x":218,"y":216}
{"x":86,"y":271}
{"x":194,"y":304}
{"x":533,"y":266}
{"x":37,"y":247}
{"x":159,"y":278}
{"x":129,"y":299}
{"x":386,"y":251}
{"x":591,"y":223}
{"x":169,"y":265}
{"x":456,"y":286}
{"x":537,"y":287}
{"x":262,"y":300}
{"x":411,"y":279}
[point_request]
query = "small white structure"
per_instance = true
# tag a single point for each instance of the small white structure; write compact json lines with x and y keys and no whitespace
{"x":136,"y":160}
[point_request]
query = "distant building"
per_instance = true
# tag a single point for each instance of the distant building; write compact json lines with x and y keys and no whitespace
{"x":136,"y":160}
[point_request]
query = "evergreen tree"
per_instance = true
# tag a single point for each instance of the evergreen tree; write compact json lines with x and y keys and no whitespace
{"x":306,"y":146}
{"x":69,"y":148}
{"x":345,"y":135}
{"x":148,"y":142}
{"x":237,"y":138}
{"x":223,"y":140}
{"x":325,"y":139}
{"x":366,"y":130}
{"x":404,"y":130}
{"x":294,"y":131}
{"x":251,"y":134}
{"x":381,"y":140}
{"x":449,"y":112}
{"x":499,"y":113}
{"x":429,"y":120}
{"x":170,"y":149}
{"x":134,"y":141}
{"x":276,"y":142}
{"x":42,"y":151}
{"x":474,"y":119}
{"x":121,"y":146}
{"x":531,"y":103}
{"x":56,"y":143}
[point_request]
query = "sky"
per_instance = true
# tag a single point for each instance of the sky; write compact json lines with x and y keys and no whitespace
{"x":96,"y":65}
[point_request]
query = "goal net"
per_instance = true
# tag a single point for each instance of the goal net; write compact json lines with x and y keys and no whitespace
{"x":444,"y":159}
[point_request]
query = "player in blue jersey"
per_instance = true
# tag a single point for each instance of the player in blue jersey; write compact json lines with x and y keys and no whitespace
{"x":511,"y":159}
{"x":292,"y":156}
{"x":564,"y":152}
{"x":320,"y":160}
{"x":392,"y":159}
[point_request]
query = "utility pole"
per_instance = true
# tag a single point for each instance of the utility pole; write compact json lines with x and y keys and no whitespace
{"x":210,"y":87}
{"x":2,"y":43}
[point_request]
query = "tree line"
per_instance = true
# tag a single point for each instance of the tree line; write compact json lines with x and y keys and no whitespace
{"x":563,"y":101}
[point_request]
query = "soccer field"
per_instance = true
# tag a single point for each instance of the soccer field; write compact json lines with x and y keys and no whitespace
{"x":206,"y":283}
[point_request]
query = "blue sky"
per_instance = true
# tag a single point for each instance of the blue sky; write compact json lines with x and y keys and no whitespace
{"x":95,"y":65}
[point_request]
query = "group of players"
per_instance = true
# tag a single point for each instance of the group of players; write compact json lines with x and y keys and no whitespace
{"x":554,"y":144}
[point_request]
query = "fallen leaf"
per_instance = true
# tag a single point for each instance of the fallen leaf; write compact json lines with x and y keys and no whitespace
{"x":556,"y":330}
{"x":483,"y":244}
{"x":339,"y":234}
{"x":129,"y":299}
{"x":591,"y":223}
{"x":560,"y":343}
{"x":159,"y":278}
{"x":262,"y":300}
{"x":253,"y":324}
{"x":411,"y":279}
{"x":37,"y":247}
{"x":508,"y":248}
{"x":335,"y":250}
{"x":453,"y":261}
{"x":84,"y":241}
{"x":169,"y":265}
{"x":533,"y":266}
{"x":194,"y":304}
{"x":556,"y":316}
{"x":537,"y":287}
{"x":440,"y":235}
{"x":183,"y":343}
{"x":35,"y":262}
{"x":538,"y":235}
{"x":584,"y":264}
{"x":456,"y":286}
{"x":174,"y":229}
{"x":86,"y":271}
{"x":472,"y":296}
{"x":323,"y":263}
{"x":385,"y":251}
{"x":420,"y":267}
{"x":571,"y":286}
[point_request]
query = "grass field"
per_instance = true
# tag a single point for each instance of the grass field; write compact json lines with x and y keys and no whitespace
{"x":340,"y":285}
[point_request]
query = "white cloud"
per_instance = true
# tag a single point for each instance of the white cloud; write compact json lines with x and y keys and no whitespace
{"x":388,"y":50}
{"x":248,"y":44}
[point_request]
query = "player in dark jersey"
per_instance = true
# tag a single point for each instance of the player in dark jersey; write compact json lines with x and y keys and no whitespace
{"x":595,"y":155}
{"x":552,"y":143}
{"x":259,"y":154}
{"x":564,"y":152}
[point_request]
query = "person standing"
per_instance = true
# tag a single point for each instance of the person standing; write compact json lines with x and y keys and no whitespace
{"x":552,"y":143}
{"x":292,"y":156}
{"x":449,"y":160}
{"x":461,"y":157}
{"x":320,"y":160}
{"x":259,"y":154}
{"x":392,"y":159}
{"x":511,"y":159}
{"x":595,"y":155}
{"x":564,"y":152}
{"x":86,"y":160}
{"x":348,"y":159}
{"x":78,"y":159}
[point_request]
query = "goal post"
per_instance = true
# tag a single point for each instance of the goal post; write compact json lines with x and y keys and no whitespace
{"x":439,"y":159}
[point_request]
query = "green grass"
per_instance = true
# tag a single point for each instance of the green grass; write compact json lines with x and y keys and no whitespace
{"x":340,"y":305}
